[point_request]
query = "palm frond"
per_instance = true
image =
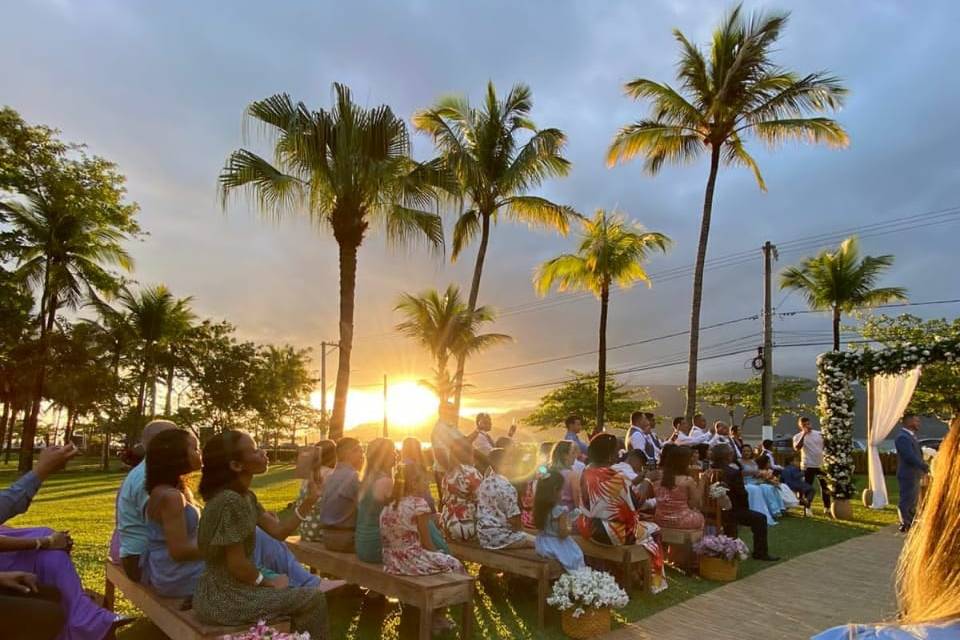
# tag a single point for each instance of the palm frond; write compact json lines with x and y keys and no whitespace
{"x":407,"y":226}
{"x":813,"y":130}
{"x":735,"y":153}
{"x":657,"y":142}
{"x":273,"y":189}
{"x":464,"y":231}
{"x":540,"y":213}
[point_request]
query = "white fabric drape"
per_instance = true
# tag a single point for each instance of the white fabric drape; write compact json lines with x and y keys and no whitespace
{"x":890,"y":397}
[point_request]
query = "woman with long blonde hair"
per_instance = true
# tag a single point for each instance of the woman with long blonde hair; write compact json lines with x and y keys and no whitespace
{"x":928,"y":576}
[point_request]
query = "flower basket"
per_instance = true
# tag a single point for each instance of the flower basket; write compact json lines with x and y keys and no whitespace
{"x":263,"y":631}
{"x":593,"y":623}
{"x":841,"y":509}
{"x":719,"y":569}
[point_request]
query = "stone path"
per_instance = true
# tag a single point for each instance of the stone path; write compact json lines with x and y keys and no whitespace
{"x":848,"y":582}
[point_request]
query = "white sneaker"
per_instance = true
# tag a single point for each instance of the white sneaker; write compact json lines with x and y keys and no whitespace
{"x":807,"y":512}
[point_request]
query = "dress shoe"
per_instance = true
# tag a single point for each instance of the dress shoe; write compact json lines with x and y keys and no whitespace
{"x":767,"y":558}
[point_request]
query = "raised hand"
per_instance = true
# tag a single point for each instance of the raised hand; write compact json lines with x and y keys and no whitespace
{"x":53,"y":459}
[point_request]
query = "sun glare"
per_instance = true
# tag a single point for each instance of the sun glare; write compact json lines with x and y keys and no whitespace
{"x":409,"y":404}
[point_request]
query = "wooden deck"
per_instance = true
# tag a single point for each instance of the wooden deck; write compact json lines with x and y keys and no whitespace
{"x":847,"y":582}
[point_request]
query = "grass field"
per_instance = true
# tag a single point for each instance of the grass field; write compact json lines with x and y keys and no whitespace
{"x":81,"y":500}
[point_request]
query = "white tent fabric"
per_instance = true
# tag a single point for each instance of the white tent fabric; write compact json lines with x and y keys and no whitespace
{"x":889,"y":398}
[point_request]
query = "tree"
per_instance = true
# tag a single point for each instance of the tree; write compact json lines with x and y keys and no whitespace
{"x":611,"y":252}
{"x":579,"y":397}
{"x":221,"y":373}
{"x":278,"y":388}
{"x":442,"y":324}
{"x":348,"y":168}
{"x":725,"y":96}
{"x":840,"y":282}
{"x":748,"y":396}
{"x":496,"y":155}
{"x":938,"y":391}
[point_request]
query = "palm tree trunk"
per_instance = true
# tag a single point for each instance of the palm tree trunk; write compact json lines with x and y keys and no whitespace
{"x":348,"y":286}
{"x":471,"y":307}
{"x":105,"y":451}
{"x":11,"y":426}
{"x":168,"y":403}
{"x":836,"y":328}
{"x":698,"y":285}
{"x":4,"y":419}
{"x":71,"y":421}
{"x":602,"y":360}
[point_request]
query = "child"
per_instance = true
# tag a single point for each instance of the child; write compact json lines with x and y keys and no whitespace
{"x":552,"y":519}
{"x":324,"y":463}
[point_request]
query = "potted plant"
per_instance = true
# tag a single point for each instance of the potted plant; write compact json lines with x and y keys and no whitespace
{"x":263,"y":631}
{"x":585,"y":598}
{"x":720,"y":556}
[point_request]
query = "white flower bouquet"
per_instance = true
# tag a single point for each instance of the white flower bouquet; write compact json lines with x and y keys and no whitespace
{"x":263,"y":631}
{"x":587,"y":588}
{"x":717,"y":490}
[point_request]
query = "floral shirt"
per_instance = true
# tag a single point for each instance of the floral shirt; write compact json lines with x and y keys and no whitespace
{"x":496,"y":504}
{"x":609,"y":514}
{"x":403,"y":554}
{"x":459,"y":515}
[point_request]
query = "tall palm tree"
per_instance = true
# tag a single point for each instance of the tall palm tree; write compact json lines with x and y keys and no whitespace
{"x":726,"y":95}
{"x":611,"y":252}
{"x":348,"y":168}
{"x":65,"y":255}
{"x":443,"y":325}
{"x":158,"y":319}
{"x":497,"y":155}
{"x":840,"y":282}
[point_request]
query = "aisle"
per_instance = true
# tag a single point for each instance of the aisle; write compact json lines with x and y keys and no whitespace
{"x":847,"y":582}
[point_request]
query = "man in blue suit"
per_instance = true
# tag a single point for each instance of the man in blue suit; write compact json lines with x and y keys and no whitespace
{"x":910,"y":469}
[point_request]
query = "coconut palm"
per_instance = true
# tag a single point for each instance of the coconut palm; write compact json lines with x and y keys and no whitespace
{"x":65,"y":254}
{"x":841,"y":281}
{"x":611,"y":252}
{"x":497,"y":155}
{"x":348,"y":168}
{"x":443,"y":325}
{"x":733,"y":91}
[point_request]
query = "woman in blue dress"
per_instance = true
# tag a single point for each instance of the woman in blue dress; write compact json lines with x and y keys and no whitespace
{"x":928,"y":589}
{"x":770,"y":494}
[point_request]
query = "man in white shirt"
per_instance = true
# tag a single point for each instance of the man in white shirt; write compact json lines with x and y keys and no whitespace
{"x":691,"y":436}
{"x":640,"y":436}
{"x":722,"y":436}
{"x":483,"y":441}
{"x":810,"y":445}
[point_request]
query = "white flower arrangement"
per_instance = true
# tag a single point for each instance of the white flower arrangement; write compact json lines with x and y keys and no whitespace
{"x":717,"y":490}
{"x":587,"y":589}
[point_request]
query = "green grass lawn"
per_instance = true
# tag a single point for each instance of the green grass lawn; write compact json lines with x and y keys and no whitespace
{"x":81,"y":500}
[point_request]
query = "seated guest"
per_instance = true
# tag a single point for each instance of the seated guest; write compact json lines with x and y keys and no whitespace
{"x":498,"y":512}
{"x":528,"y":487}
{"x":326,"y":461}
{"x":375,"y":491}
{"x":411,"y":452}
{"x":721,"y":458}
{"x":231,"y":590}
{"x":766,"y":451}
{"x":737,"y":434}
{"x":504,"y":442}
{"x":722,"y":435}
{"x":460,"y":484}
{"x":767,"y":474}
{"x":768,"y":493}
{"x":609,"y":515}
{"x":553,"y":522}
{"x":562,"y":458}
{"x":928,"y":585}
{"x":792,"y":476}
{"x":678,"y":496}
{"x":574,"y":424}
{"x":337,"y":507}
{"x":38,"y":559}
{"x":483,"y":441}
{"x":409,"y":548}
{"x":634,"y":469}
{"x":30,"y":611}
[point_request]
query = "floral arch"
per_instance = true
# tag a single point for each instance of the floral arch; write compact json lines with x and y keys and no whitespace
{"x":836,"y":370}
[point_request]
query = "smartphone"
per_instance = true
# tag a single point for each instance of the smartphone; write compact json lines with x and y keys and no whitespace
{"x":307,"y":460}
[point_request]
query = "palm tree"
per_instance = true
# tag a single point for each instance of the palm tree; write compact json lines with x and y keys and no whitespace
{"x":65,"y":255}
{"x":725,"y":96}
{"x":348,"y":168}
{"x":497,"y":155}
{"x":611,"y":252}
{"x":158,"y":319}
{"x":840,"y":282}
{"x":441,"y":323}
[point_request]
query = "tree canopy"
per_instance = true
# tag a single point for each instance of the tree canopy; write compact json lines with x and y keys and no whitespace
{"x":579,"y":397}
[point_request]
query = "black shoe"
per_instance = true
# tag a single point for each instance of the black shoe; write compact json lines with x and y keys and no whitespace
{"x":767,"y":558}
{"x":903,"y":528}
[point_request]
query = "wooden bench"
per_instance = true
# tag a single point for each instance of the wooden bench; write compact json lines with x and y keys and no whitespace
{"x":166,"y":614}
{"x":520,"y":562}
{"x":427,"y":593}
{"x":627,"y":556}
{"x":680,"y":547}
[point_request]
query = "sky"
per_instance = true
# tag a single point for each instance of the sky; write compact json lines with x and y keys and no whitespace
{"x":160,"y":89}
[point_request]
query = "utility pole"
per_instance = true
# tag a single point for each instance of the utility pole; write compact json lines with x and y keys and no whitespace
{"x":769,"y":255}
{"x":385,"y":431}
{"x":323,"y":385}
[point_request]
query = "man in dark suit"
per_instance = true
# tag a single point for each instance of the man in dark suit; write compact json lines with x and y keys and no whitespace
{"x":721,"y":457}
{"x":910,"y":469}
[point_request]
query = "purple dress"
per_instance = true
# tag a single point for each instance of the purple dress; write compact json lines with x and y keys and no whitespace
{"x":85,"y":620}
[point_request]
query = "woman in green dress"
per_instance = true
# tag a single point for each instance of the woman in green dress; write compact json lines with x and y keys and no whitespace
{"x":232,"y":591}
{"x":375,"y":491}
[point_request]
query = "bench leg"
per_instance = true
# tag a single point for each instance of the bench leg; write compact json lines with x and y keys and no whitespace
{"x":543,"y":591}
{"x":627,"y":573}
{"x":466,"y":618}
{"x":108,"y":595}
{"x":647,"y":568}
{"x":426,"y":623}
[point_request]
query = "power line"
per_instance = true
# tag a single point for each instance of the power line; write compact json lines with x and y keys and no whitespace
{"x":897,"y":305}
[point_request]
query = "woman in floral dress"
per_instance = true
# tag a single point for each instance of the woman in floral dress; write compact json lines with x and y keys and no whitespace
{"x":460,"y":484}
{"x":498,"y":512}
{"x":609,"y":515}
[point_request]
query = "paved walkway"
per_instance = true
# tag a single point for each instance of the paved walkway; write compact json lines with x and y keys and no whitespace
{"x":848,"y":582}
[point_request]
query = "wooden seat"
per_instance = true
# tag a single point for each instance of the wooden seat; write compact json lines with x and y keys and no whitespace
{"x":681,"y":536}
{"x":427,"y":593}
{"x":519,"y":562}
{"x":679,"y":547}
{"x":165,"y":613}
{"x":626,"y":556}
